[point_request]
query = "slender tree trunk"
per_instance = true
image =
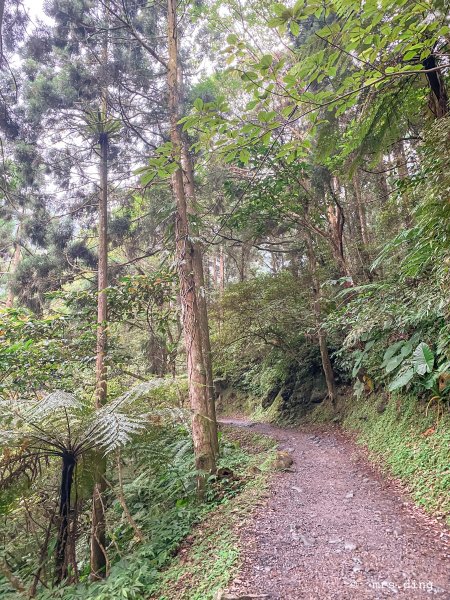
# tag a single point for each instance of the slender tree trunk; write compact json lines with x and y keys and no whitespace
{"x":221,"y":270}
{"x":199,"y":276}
{"x":15,"y":262}
{"x":321,"y":335}
{"x":381,"y":182}
{"x":336,"y":221}
{"x":197,"y":376}
{"x":403,"y":174}
{"x":11,"y":578}
{"x":214,"y":270}
{"x":243,"y":262}
{"x":61,"y":563}
{"x":2,"y":12}
{"x":98,"y":533}
{"x":336,"y":231}
{"x":361,"y":209}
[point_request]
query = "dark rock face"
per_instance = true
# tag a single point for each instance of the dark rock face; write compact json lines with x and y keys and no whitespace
{"x":269,"y":399}
{"x":303,"y":386}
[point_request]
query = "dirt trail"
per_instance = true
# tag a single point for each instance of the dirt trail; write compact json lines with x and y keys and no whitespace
{"x":333,"y":528}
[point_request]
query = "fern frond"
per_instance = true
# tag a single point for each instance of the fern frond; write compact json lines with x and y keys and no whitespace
{"x":136,"y":392}
{"x":57,"y":401}
{"x":111,"y":430}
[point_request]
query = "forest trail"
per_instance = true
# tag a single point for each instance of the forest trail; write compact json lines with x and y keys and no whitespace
{"x":333,"y":528}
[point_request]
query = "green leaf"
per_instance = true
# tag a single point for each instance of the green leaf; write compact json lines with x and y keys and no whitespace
{"x":394,"y":362}
{"x":423,"y":359}
{"x":410,"y":55}
{"x":391,"y":351}
{"x":403,"y":379}
{"x":244,"y":156}
{"x":279,"y":9}
{"x":198,"y":104}
{"x":295,"y":28}
{"x":266,"y":61}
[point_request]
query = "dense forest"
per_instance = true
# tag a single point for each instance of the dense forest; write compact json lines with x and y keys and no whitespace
{"x":208,"y":207}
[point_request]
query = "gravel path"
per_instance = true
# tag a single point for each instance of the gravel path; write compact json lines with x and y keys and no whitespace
{"x":333,"y":528}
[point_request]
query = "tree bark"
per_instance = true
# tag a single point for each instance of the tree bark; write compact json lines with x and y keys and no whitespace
{"x":382,"y":184}
{"x":98,"y":557}
{"x":361,"y":209}
{"x":221,"y":270}
{"x":321,"y":335}
{"x":2,"y":14}
{"x":15,"y":262}
{"x":11,"y":578}
{"x":61,"y":562}
{"x":438,"y":92}
{"x":184,"y":248}
{"x":199,"y":276}
{"x":336,"y":230}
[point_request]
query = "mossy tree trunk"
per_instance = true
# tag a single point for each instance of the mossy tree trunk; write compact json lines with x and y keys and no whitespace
{"x":185,"y":257}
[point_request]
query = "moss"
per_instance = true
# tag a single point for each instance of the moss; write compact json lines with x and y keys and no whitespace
{"x":270,"y":414}
{"x":410,"y":444}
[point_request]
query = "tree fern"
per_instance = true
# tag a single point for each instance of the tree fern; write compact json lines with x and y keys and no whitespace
{"x":61,"y":425}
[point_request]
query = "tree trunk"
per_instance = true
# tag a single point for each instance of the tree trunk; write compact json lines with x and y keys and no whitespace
{"x":2,"y":13}
{"x":15,"y":262}
{"x":61,"y":562}
{"x":199,"y":276}
{"x":98,"y":533}
{"x":197,"y":376}
{"x":321,"y":335}
{"x":336,"y":229}
{"x":361,"y":209}
{"x":214,"y":270}
{"x":221,"y":270}
{"x":401,"y":163}
{"x":382,"y":184}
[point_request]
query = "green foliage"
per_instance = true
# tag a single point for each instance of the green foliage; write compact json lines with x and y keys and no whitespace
{"x":160,"y":494}
{"x":396,"y":329}
{"x":350,"y":57}
{"x":41,"y":353}
{"x":264,"y":322}
{"x":409,"y":443}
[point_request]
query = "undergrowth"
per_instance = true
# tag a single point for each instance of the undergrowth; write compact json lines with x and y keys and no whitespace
{"x":412,"y":445}
{"x":211,"y":556}
{"x":161,"y":498}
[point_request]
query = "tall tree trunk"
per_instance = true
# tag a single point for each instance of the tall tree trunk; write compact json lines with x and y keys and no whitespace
{"x":15,"y":262}
{"x":61,"y":562}
{"x":214,"y":270}
{"x":197,"y":376}
{"x":221,"y":270}
{"x":98,"y":533}
{"x":336,"y":221}
{"x":199,"y":276}
{"x":381,"y":182}
{"x":336,"y":235}
{"x":401,"y":163}
{"x":2,"y":13}
{"x":361,"y":209}
{"x":242,"y":264}
{"x":321,"y":335}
